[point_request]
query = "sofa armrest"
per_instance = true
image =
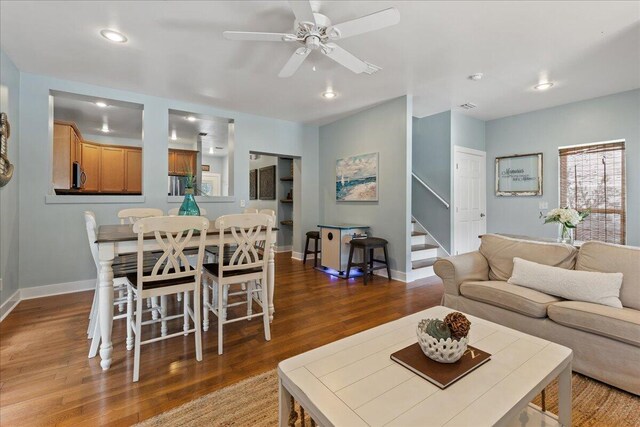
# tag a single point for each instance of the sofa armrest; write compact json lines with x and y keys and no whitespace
{"x":456,"y":269}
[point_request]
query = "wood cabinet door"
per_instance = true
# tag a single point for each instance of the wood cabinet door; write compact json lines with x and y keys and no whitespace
{"x":112,"y":169}
{"x":90,"y":155}
{"x":76,"y":149}
{"x":133,"y":160}
{"x":62,"y":156}
{"x":182,"y":162}
{"x":172,"y":162}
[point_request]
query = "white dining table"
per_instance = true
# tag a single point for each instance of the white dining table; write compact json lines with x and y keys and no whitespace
{"x":114,"y":240}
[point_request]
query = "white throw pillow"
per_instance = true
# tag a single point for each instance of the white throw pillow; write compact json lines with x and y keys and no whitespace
{"x":588,"y":286}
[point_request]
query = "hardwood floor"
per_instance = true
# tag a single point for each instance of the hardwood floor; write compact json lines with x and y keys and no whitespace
{"x":47,"y":379}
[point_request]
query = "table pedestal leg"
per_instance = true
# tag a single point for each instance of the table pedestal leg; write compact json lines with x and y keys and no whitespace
{"x":564,"y":396}
{"x":271,"y":274}
{"x":105,"y":299}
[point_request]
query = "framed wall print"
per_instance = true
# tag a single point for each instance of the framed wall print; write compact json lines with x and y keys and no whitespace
{"x":267,"y":183}
{"x":253,"y":184}
{"x":357,"y":178}
{"x":519,"y":175}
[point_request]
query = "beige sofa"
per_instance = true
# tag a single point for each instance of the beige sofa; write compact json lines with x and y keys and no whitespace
{"x":605,"y":340}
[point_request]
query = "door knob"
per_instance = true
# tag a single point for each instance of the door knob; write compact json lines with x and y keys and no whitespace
{"x":481,"y":215}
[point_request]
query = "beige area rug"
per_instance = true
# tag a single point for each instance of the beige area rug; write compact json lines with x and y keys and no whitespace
{"x":254,"y":402}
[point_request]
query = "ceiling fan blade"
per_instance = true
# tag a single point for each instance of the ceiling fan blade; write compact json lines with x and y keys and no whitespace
{"x":302,"y":10}
{"x":261,"y":37}
{"x":344,"y":58}
{"x":375,"y":21}
{"x":294,"y":62}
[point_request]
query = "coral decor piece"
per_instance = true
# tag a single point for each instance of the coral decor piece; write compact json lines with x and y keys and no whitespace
{"x":458,"y":324}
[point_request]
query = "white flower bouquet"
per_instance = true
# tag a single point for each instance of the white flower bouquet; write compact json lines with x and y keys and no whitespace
{"x":568,"y":218}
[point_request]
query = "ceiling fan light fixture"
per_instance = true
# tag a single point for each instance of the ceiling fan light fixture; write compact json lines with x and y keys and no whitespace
{"x":113,"y":36}
{"x":329,"y":94}
{"x":543,"y":86}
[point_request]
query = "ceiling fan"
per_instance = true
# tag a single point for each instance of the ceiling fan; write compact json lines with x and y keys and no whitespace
{"x":314,"y":31}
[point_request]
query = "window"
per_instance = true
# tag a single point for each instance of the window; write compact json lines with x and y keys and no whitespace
{"x":593,"y":177}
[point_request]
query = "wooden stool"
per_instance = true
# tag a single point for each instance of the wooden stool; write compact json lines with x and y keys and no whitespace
{"x":368,"y":245}
{"x":315,"y":235}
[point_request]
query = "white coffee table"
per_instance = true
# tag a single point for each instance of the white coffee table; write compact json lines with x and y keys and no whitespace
{"x":353,"y":382}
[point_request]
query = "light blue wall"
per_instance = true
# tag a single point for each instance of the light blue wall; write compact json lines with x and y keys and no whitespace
{"x":467,"y":131}
{"x":9,"y":241}
{"x":385,"y":129}
{"x":431,"y":147}
{"x":54,"y":234}
{"x":601,"y":119}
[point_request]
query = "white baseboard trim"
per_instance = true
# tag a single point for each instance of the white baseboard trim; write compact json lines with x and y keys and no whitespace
{"x":300,"y":256}
{"x":57,"y":289}
{"x":280,"y":249}
{"x":395,"y":275}
{"x":9,"y":304}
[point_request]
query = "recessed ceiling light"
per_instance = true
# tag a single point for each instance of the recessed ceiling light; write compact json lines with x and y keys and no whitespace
{"x":191,"y":118}
{"x":329,"y":94}
{"x":105,"y":128}
{"x":543,"y":86}
{"x":113,"y":36}
{"x":475,"y":77}
{"x":101,"y":104}
{"x":210,"y":150}
{"x":174,"y":137}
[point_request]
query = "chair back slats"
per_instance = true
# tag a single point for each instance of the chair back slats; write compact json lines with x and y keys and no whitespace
{"x":250,"y":210}
{"x":246,"y":230}
{"x":172,"y":234}
{"x":131,"y":215}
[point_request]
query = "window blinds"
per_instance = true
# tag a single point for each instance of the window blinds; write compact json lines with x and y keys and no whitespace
{"x":593,"y":177}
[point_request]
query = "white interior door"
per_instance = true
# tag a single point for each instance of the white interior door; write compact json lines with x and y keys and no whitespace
{"x":470,"y":199}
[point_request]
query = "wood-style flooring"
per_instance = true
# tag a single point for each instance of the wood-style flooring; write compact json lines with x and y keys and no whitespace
{"x":47,"y":379}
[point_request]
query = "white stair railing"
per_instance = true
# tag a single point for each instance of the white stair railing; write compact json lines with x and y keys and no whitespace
{"x":425,"y":185}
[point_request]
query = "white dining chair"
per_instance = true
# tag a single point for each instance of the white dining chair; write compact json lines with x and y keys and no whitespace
{"x":130,"y":216}
{"x":245,"y":265}
{"x":172,"y":274}
{"x":250,"y":210}
{"x":176,"y":211}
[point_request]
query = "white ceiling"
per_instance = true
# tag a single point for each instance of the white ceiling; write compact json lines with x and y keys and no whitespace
{"x":124,"y":119}
{"x":187,"y":132}
{"x":176,"y":50}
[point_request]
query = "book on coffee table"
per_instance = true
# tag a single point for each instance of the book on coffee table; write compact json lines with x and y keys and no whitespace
{"x":440,"y":374}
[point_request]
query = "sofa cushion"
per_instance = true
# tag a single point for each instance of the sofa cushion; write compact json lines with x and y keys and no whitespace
{"x":621,"y":324}
{"x":511,"y":297}
{"x":588,"y":286}
{"x":500,"y":251}
{"x":610,"y":258}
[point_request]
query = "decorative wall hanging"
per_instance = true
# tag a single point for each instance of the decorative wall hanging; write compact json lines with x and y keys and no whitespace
{"x":6,"y":168}
{"x":267,"y":187}
{"x":253,"y":184}
{"x":357,"y":178}
{"x":519,"y":175}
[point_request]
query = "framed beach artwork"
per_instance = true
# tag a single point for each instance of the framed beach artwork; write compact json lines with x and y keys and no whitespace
{"x":357,"y":178}
{"x":519,"y":175}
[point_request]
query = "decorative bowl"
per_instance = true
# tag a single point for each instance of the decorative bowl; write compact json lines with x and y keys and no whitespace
{"x":443,"y":351}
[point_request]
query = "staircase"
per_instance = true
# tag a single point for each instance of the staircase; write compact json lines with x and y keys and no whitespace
{"x":424,"y":252}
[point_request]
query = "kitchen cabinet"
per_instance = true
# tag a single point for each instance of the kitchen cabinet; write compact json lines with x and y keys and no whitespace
{"x":112,"y":170}
{"x":182,"y":162}
{"x":66,"y":151}
{"x":133,"y":172}
{"x":91,"y":166}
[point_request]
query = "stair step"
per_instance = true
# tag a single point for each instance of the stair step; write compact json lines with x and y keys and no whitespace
{"x":418,"y":233}
{"x":416,"y":248}
{"x":423,"y":263}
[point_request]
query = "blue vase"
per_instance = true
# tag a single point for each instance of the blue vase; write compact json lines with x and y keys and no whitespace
{"x":189,"y":206}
